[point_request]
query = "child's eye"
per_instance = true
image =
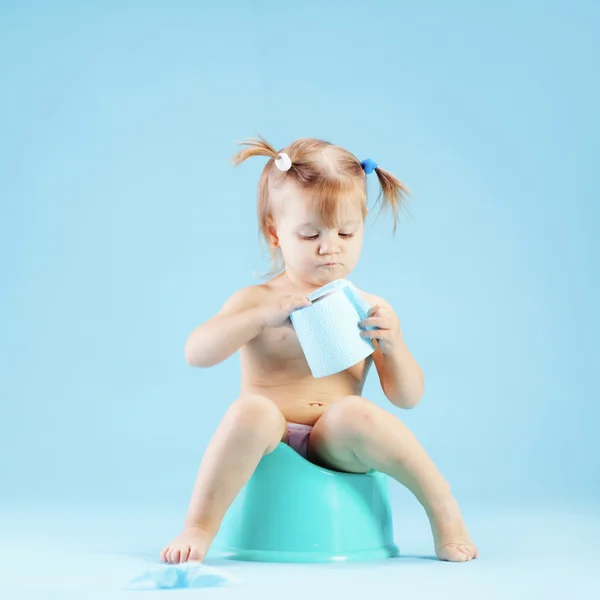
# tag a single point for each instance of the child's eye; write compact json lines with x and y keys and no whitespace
{"x":314,"y":237}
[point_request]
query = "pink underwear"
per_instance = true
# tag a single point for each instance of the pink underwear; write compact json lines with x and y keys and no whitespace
{"x":298,"y":435}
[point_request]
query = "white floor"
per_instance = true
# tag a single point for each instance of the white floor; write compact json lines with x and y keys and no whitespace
{"x":524,"y":553}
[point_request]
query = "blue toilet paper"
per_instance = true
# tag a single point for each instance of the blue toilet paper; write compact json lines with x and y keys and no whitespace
{"x":328,"y":329}
{"x":182,"y":575}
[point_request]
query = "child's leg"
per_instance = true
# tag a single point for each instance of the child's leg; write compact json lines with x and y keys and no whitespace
{"x":252,"y":427}
{"x":356,"y":435}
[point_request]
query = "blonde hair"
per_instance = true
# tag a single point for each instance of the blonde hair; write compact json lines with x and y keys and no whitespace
{"x":324,"y":173}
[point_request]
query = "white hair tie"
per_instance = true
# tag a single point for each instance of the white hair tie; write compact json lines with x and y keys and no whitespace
{"x":283,"y":163}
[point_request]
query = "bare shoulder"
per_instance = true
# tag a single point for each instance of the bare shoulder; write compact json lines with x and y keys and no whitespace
{"x":244,"y":298}
{"x":372,"y":299}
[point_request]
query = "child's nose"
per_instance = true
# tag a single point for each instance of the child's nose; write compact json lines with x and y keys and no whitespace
{"x":329,"y":247}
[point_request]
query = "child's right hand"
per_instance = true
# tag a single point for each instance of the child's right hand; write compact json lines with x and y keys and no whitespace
{"x":277,"y":312}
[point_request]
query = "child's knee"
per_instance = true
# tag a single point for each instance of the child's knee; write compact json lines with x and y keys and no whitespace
{"x":349,"y":417}
{"x":257,"y":412}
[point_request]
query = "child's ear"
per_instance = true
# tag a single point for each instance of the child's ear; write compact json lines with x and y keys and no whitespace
{"x":273,"y":237}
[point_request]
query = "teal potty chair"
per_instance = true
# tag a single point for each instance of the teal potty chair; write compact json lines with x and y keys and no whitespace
{"x":292,"y":510}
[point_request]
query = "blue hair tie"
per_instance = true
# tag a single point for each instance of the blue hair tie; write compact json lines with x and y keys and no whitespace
{"x":368,"y":165}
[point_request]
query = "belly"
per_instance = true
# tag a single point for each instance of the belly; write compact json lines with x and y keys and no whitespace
{"x":295,"y":407}
{"x":303,"y":399}
{"x":277,"y":369}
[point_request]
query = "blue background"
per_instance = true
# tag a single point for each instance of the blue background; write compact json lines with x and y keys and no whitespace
{"x":123,"y":226}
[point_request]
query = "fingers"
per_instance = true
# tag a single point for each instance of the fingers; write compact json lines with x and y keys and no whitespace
{"x":296,"y":303}
{"x":381,"y":317}
{"x":374,"y":309}
{"x":375,"y":322}
{"x":303,"y":301}
{"x":375,"y":333}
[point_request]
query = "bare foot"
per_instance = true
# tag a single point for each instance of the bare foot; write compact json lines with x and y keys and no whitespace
{"x":451,"y":538}
{"x":190,"y":545}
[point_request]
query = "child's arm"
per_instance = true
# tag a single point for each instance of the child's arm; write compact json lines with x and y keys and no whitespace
{"x":400,"y":375}
{"x":238,"y":322}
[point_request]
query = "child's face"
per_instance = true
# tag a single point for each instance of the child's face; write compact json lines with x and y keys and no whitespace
{"x":308,"y":246}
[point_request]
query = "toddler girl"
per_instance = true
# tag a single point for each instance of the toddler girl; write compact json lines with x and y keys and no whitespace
{"x":312,"y":204}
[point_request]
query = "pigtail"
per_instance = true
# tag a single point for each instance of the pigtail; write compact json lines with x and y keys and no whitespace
{"x":394,"y":192}
{"x":254,"y":147}
{"x":260,"y":147}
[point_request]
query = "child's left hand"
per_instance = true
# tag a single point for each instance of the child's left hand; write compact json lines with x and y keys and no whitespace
{"x":388,"y":334}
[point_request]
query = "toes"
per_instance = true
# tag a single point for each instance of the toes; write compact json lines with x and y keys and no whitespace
{"x":196,"y":554}
{"x":463,"y":548}
{"x":184,"y":554}
{"x":469,"y":550}
{"x":457,"y":552}
{"x":453,"y":553}
{"x":462,"y":555}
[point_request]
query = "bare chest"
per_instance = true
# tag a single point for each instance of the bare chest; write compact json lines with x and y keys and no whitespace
{"x":275,"y":357}
{"x":276,"y":347}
